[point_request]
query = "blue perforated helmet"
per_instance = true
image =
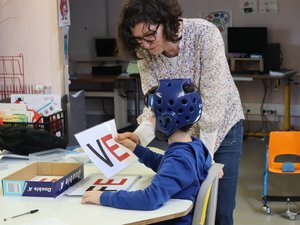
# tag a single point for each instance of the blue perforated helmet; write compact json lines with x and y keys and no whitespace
{"x":174,"y":108}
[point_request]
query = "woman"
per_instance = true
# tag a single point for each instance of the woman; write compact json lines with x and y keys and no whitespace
{"x":168,"y":46}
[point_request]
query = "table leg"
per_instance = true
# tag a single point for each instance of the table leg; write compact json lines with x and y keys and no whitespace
{"x":287,"y":105}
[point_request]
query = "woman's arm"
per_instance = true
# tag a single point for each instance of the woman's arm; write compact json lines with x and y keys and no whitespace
{"x":145,"y":130}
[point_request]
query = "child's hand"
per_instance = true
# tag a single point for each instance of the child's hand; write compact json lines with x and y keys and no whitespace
{"x":128,"y":135}
{"x":128,"y":144}
{"x":91,"y":197}
{"x":128,"y":139}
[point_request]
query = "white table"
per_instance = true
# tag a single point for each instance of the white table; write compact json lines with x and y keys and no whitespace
{"x":69,"y":210}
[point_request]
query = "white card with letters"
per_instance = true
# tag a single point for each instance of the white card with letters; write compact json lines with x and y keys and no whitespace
{"x":99,"y":144}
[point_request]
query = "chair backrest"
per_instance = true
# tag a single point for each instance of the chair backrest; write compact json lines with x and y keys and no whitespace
{"x":206,"y":203}
{"x":283,"y":143}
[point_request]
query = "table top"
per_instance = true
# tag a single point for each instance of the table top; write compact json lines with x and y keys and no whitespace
{"x":112,"y":78}
{"x":95,"y":78}
{"x":285,"y":76}
{"x":68,"y":210}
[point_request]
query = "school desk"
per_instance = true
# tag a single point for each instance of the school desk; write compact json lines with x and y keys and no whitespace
{"x":286,"y":78}
{"x":65,"y":210}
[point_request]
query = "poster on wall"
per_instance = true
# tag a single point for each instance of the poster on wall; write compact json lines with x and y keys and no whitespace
{"x":63,"y":13}
{"x":221,"y":18}
{"x":268,"y":6}
{"x":248,"y":6}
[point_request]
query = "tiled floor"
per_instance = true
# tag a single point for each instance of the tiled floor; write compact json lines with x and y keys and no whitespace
{"x":249,"y":205}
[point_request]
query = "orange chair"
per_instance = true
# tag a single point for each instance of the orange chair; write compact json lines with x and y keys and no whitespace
{"x":283,"y":145}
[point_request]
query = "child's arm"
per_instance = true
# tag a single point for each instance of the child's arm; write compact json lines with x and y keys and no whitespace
{"x":165,"y":185}
{"x":145,"y":155}
{"x":149,"y":158}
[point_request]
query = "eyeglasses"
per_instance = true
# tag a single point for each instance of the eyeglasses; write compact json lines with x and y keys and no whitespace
{"x":149,"y":37}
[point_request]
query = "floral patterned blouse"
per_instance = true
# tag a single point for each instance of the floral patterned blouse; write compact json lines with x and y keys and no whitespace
{"x":202,"y":58}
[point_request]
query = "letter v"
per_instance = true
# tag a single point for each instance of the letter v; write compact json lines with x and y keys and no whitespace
{"x":105,"y":158}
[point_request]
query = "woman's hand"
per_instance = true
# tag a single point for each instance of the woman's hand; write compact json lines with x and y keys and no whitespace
{"x":91,"y":197}
{"x":128,"y":139}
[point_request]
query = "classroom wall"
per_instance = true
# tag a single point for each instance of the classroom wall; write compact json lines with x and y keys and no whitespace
{"x":30,"y":27}
{"x":88,"y":20}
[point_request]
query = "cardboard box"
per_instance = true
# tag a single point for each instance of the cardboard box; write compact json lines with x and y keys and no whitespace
{"x":43,"y":179}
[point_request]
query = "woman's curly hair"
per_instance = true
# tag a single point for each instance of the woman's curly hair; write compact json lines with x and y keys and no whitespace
{"x":165,"y":12}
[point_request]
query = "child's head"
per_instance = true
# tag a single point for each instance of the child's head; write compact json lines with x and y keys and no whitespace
{"x":176,"y":105}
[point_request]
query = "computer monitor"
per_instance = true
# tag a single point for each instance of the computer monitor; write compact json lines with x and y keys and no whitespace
{"x":247,"y":40}
{"x":105,"y":48}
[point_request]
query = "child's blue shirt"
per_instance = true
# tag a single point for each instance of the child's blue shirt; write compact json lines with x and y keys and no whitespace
{"x":179,"y":174}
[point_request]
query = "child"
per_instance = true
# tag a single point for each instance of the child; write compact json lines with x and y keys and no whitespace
{"x":185,"y":164}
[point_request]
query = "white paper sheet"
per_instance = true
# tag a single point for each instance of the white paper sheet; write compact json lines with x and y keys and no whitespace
{"x":108,"y":156}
